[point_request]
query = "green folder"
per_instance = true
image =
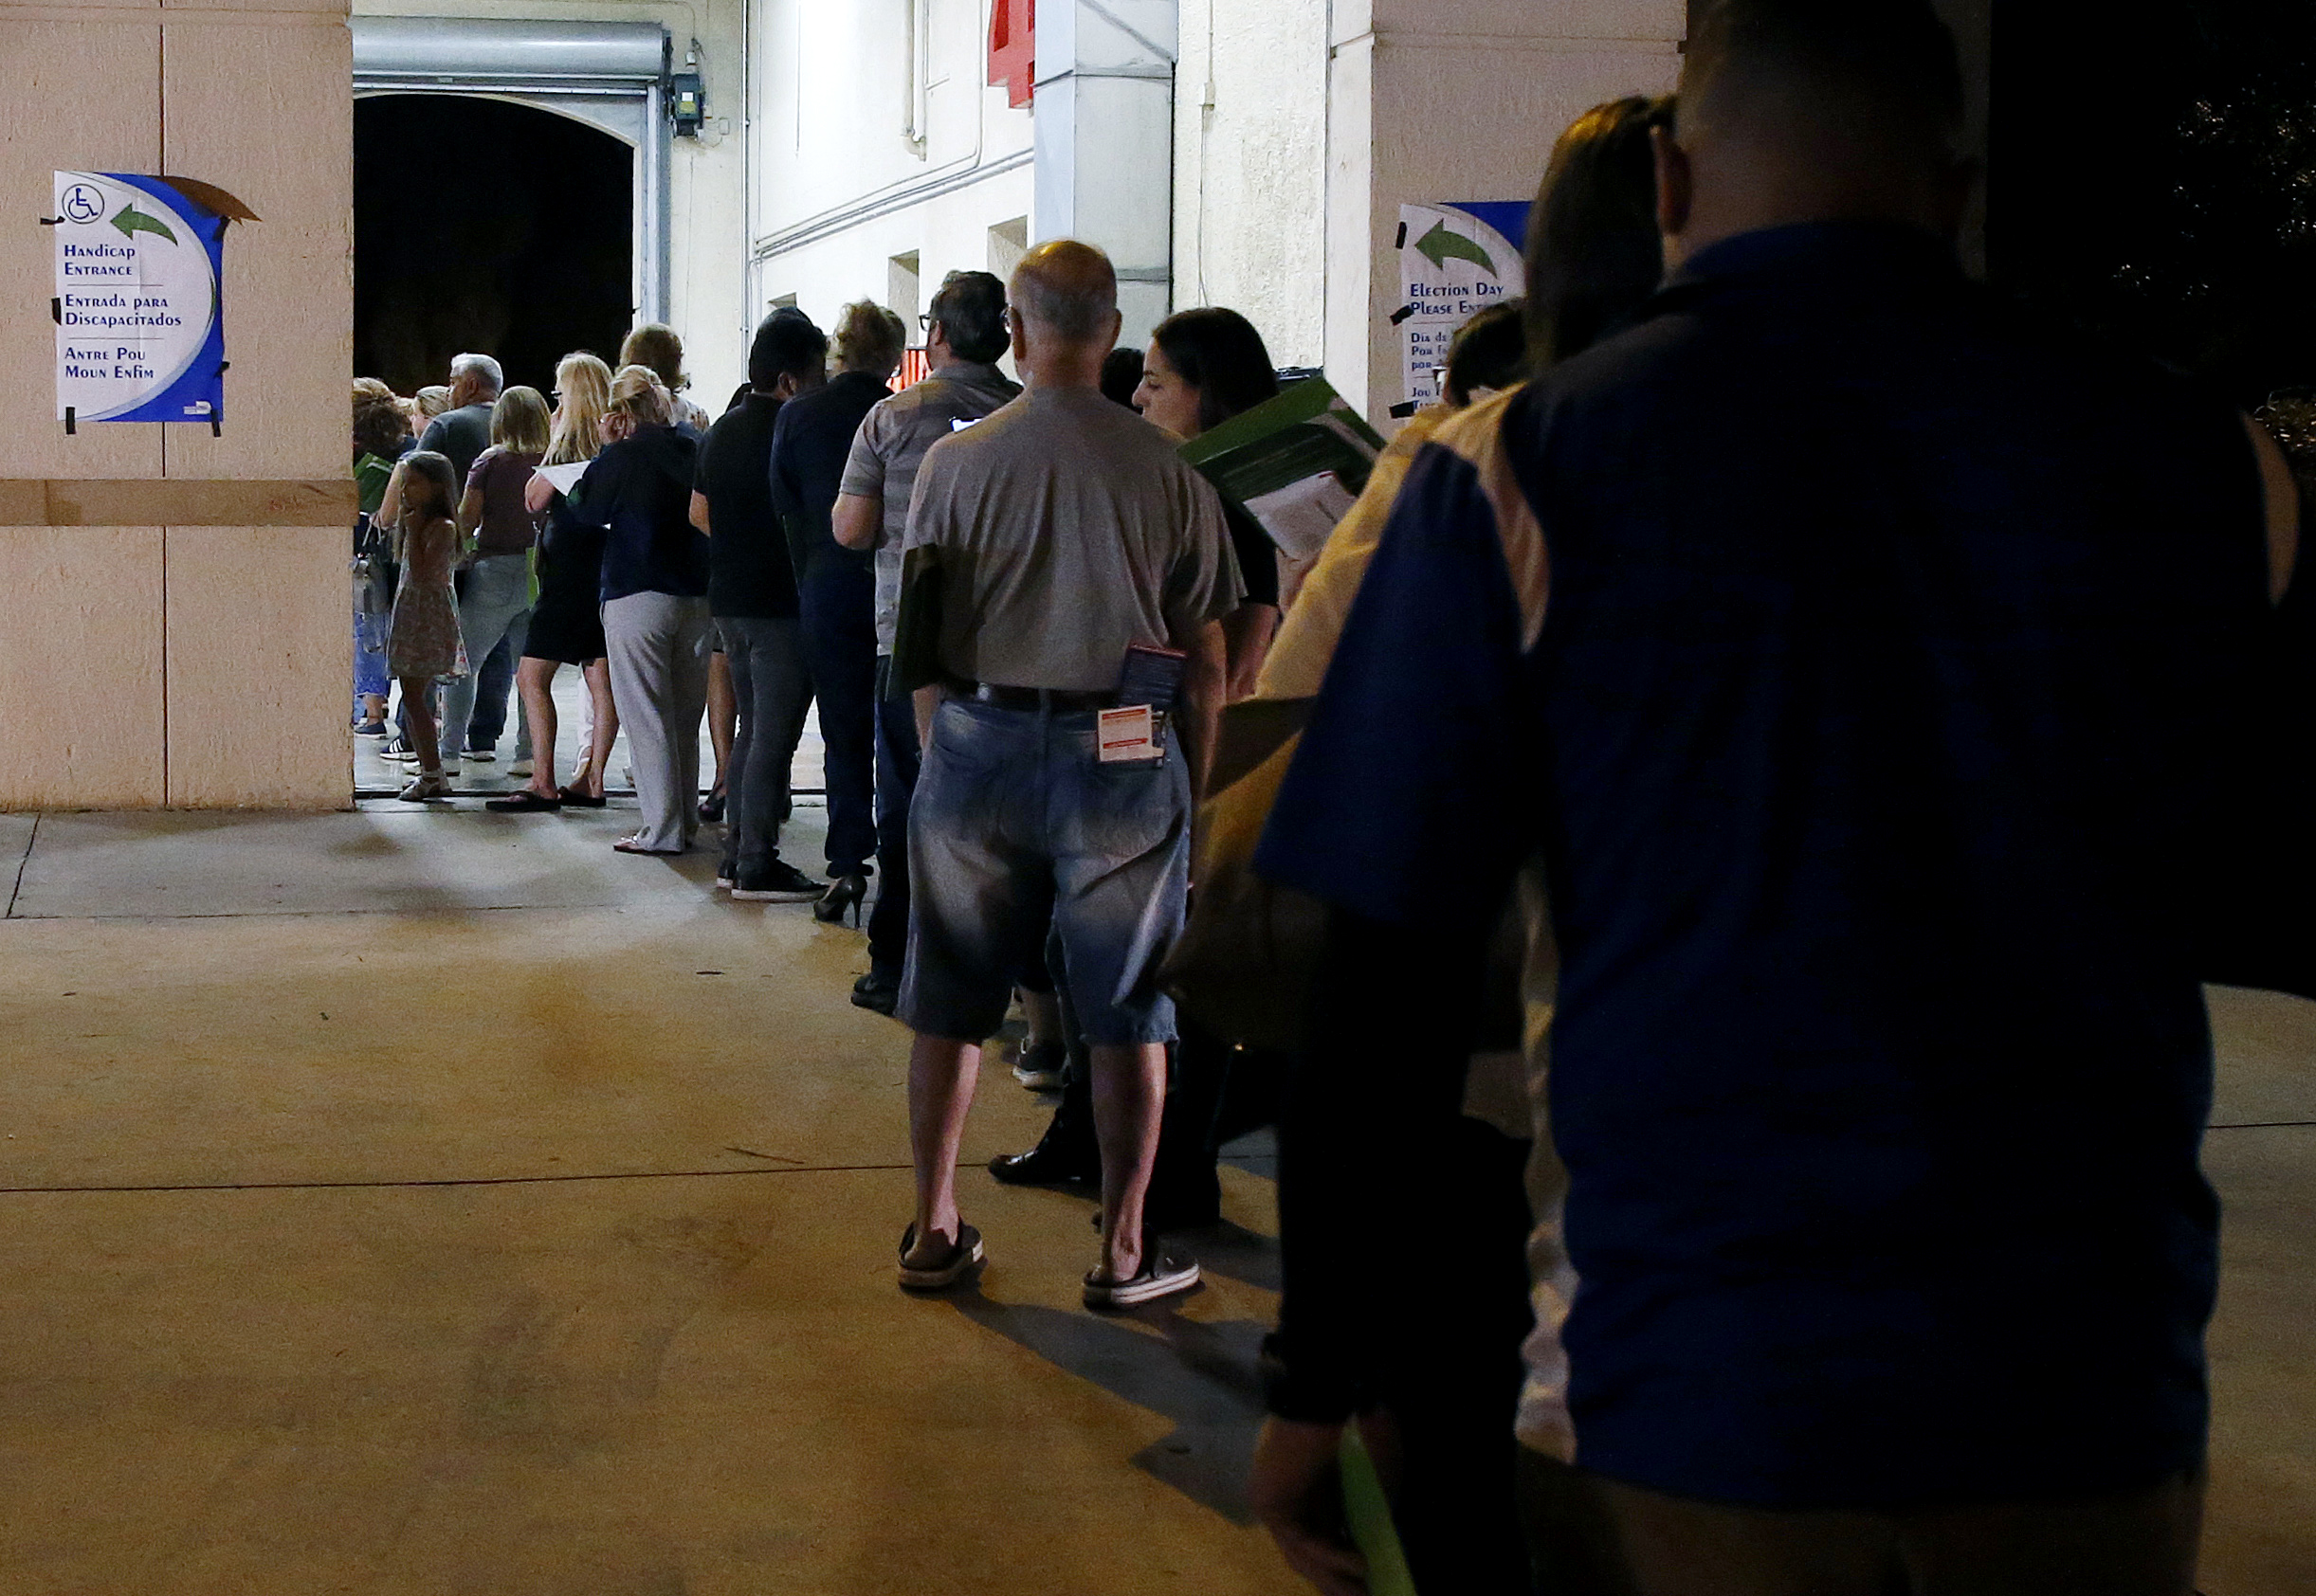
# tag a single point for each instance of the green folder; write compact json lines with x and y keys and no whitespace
{"x":1294,"y":462}
{"x":1369,"y":1515}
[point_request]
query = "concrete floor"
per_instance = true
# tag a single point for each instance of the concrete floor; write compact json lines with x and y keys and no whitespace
{"x":439,"y":1203}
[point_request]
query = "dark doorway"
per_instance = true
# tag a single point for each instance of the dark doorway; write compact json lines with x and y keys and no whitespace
{"x":487,"y":226}
{"x":2154,"y":178}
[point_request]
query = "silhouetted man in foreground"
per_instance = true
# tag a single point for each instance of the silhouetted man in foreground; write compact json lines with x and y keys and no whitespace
{"x":1853,"y":659}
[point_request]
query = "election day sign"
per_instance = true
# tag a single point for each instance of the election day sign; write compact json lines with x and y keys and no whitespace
{"x":1455,"y":259}
{"x":139,"y":332}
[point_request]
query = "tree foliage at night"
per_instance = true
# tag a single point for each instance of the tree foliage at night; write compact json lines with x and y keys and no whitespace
{"x":2159,"y":182}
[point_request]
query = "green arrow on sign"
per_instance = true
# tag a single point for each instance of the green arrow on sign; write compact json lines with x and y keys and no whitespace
{"x":1439,"y":246}
{"x":131,"y":221}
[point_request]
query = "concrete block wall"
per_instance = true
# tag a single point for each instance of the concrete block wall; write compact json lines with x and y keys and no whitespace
{"x":184,"y":663}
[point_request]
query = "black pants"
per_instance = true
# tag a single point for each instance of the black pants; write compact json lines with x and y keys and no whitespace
{"x":838,"y":608}
{"x":1377,"y":1163}
{"x":898,"y":756}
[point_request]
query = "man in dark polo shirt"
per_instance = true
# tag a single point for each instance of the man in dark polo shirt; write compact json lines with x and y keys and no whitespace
{"x":965,"y":341}
{"x":752,"y":596}
{"x":1854,"y":658}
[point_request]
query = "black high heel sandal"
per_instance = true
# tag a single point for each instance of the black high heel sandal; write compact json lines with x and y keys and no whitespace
{"x":844,"y":893}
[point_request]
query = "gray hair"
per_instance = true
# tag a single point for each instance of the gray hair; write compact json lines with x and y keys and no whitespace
{"x":480,"y":365}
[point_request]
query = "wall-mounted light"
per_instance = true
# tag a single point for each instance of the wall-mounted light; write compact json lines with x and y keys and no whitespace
{"x":688,"y":96}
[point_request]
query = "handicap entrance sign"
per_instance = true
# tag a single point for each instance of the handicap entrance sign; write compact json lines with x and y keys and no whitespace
{"x":139,"y":329}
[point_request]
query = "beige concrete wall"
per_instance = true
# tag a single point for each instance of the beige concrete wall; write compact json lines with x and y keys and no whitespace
{"x":198,"y":666}
{"x":1449,"y":99}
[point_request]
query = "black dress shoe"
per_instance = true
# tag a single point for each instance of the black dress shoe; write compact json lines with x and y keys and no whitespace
{"x":1049,"y":1163}
{"x":878,"y":992}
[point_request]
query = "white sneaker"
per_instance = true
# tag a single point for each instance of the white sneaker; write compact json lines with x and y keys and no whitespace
{"x":520,"y":768}
{"x":484,"y":754}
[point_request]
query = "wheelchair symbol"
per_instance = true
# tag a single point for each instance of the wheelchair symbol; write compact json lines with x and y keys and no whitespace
{"x":83,"y":203}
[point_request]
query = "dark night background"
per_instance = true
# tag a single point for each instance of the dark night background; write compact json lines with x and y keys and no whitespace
{"x":486,"y":226}
{"x":2155,"y":179}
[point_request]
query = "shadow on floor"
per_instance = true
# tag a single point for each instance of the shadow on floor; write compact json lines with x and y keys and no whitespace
{"x":1201,"y":1376}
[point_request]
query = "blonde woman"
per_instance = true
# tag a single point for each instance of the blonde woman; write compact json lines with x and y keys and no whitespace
{"x":655,"y":611}
{"x":566,"y":627}
{"x":655,"y":344}
{"x":497,"y":530}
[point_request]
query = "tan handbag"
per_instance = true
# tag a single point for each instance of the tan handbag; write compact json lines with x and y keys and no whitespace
{"x":1244,"y":964}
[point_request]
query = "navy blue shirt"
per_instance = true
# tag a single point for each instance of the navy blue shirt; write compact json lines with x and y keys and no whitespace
{"x":810,"y":447}
{"x":1862,"y":739}
{"x":638,"y":492}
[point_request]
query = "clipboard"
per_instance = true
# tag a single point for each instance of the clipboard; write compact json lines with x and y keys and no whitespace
{"x":917,"y":630}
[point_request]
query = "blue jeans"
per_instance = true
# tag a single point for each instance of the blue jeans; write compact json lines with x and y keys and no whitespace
{"x":494,"y":611}
{"x":1015,"y":820}
{"x":897,"y":762}
{"x":370,"y":654}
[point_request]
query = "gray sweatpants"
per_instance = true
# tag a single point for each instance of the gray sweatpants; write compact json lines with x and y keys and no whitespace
{"x":658,"y":648}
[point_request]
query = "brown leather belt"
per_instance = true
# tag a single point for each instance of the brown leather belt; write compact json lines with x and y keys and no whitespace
{"x":1056,"y":699}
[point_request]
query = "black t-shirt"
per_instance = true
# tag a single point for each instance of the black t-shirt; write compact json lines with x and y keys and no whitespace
{"x":1258,"y":557}
{"x":462,"y":435}
{"x":748,"y":575}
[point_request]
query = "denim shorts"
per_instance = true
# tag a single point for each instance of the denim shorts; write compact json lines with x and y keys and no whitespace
{"x":1014,"y":820}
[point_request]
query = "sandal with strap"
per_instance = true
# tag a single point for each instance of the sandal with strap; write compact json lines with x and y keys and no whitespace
{"x":965,"y":1256}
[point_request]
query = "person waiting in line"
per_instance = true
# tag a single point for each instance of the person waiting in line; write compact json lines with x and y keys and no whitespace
{"x":1203,"y":367}
{"x":565,"y":626}
{"x":423,"y":407}
{"x":1122,"y":374}
{"x":751,"y":594}
{"x":1595,"y":260}
{"x":836,"y":587}
{"x":499,"y":529}
{"x":655,"y":344}
{"x":965,"y":337}
{"x":1895,"y":1254}
{"x":381,"y":435}
{"x":1068,"y":535}
{"x":422,"y":645}
{"x":654,"y":588}
{"x":462,"y":431}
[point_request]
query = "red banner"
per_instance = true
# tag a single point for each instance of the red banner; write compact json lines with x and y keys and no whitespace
{"x":1012,"y":50}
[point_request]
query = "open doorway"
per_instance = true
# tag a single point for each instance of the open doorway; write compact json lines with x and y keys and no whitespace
{"x":482,"y":225}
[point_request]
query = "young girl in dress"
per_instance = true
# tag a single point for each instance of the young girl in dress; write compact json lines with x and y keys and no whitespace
{"x":424,"y":643}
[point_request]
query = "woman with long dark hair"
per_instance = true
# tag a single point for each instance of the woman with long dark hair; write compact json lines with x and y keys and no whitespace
{"x":1203,"y":367}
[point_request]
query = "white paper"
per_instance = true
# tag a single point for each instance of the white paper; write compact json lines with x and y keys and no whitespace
{"x":1124,"y":734}
{"x":1302,"y":515}
{"x":564,"y":477}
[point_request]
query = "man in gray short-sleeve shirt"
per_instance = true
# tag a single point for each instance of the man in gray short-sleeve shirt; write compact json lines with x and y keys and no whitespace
{"x":967,"y":339}
{"x":1067,"y":530}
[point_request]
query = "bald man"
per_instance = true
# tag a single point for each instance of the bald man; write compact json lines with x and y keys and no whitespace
{"x":1085,"y":572}
{"x":1851,"y":654}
